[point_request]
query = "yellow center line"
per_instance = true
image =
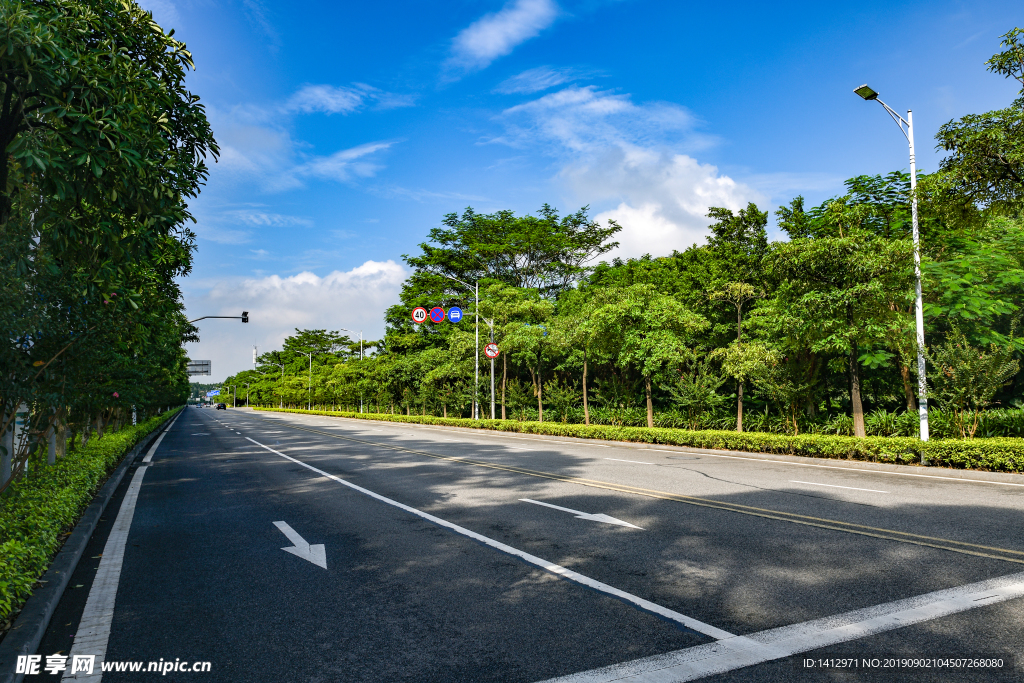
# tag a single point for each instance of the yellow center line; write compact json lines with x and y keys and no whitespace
{"x":806,"y":520}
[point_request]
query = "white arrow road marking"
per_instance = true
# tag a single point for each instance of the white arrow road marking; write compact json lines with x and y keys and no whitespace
{"x":575,"y":577}
{"x":583,"y":515}
{"x":314,"y":553}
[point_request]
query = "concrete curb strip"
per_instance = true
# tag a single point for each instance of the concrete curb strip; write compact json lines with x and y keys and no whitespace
{"x":27,"y":632}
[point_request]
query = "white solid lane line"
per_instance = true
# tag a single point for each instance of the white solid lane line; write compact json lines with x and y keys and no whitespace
{"x":688,"y":622}
{"x":94,"y":628}
{"x":741,"y":651}
{"x":834,"y":486}
{"x":635,"y":462}
{"x":156,"y":444}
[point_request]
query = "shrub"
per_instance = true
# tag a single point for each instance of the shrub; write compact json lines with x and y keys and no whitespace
{"x":37,"y":511}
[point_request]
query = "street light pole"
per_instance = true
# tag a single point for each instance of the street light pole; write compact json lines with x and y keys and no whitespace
{"x":246,"y":394}
{"x":360,"y":358}
{"x":476,"y":358}
{"x":922,"y":386}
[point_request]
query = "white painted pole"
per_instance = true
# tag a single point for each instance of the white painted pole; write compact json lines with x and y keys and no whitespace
{"x":492,"y":371}
{"x":476,"y":364}
{"x":922,"y":384}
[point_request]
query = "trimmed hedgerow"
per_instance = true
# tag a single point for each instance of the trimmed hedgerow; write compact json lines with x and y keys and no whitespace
{"x":997,"y":454}
{"x":38,"y":510}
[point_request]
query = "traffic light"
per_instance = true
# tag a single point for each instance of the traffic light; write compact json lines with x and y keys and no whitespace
{"x":245,"y":316}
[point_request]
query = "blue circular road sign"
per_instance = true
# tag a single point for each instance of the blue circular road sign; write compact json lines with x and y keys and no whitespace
{"x":437,"y":314}
{"x":454,"y":314}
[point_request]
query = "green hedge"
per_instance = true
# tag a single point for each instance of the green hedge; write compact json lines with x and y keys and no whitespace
{"x":996,"y":455}
{"x":36,"y":511}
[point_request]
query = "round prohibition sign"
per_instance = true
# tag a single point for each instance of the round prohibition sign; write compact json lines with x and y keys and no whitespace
{"x":491,"y":351}
{"x":437,"y":314}
{"x":419,"y":315}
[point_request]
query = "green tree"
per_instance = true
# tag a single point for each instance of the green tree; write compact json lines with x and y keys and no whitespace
{"x":832,"y":293}
{"x":985,"y":159}
{"x":647,"y":330}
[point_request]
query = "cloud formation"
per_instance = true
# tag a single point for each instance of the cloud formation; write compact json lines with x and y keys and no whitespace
{"x":257,"y":146}
{"x":536,"y":80}
{"x":355,"y":299}
{"x":496,"y":35}
{"x":628,"y":161}
{"x":331,"y":99}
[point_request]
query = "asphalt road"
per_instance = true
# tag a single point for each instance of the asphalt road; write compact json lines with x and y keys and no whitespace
{"x":455,"y":555}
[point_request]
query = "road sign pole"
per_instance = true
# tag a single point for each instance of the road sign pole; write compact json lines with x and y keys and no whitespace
{"x":476,"y":384}
{"x":492,"y":372}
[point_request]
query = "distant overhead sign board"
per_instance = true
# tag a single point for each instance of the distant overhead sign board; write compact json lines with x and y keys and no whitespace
{"x":215,"y":392}
{"x":454,"y":314}
{"x":419,"y":315}
{"x":437,"y":314}
{"x":491,"y":350}
{"x":198,"y":367}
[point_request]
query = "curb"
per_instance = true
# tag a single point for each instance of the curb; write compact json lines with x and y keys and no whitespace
{"x":28,"y":631}
{"x":925,"y":471}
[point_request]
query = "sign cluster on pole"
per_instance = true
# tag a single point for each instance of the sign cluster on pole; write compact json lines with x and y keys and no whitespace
{"x":436,"y":315}
{"x":454,"y":315}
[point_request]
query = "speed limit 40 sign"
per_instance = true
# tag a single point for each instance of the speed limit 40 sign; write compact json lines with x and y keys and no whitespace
{"x":491,"y":351}
{"x":419,"y":315}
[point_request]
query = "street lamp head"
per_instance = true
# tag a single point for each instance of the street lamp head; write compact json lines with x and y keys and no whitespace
{"x":866,"y":92}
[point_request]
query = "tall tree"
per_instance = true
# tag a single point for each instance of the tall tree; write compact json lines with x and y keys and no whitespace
{"x":648,"y":331}
{"x":986,"y":151}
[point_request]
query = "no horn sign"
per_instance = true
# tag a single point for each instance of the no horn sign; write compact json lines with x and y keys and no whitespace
{"x":491,"y":351}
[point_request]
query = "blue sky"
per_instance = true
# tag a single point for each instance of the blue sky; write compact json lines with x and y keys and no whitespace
{"x":349,"y":129}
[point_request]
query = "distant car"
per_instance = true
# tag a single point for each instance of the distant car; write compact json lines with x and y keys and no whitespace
{"x":222,"y":406}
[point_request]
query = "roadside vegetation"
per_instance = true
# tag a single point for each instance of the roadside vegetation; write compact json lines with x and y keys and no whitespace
{"x":104,"y":148}
{"x":39,"y":512}
{"x":812,"y":334}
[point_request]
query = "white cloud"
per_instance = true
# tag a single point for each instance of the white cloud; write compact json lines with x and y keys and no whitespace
{"x":496,"y":35}
{"x":355,"y":299}
{"x":536,"y":80}
{"x":222,"y":226}
{"x":261,"y":219}
{"x":627,"y":161}
{"x":257,"y":146}
{"x":343,"y":165}
{"x":325,"y":98}
{"x":663,"y":198}
{"x":256,"y":149}
{"x":330,"y":99}
{"x":587,"y":120}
